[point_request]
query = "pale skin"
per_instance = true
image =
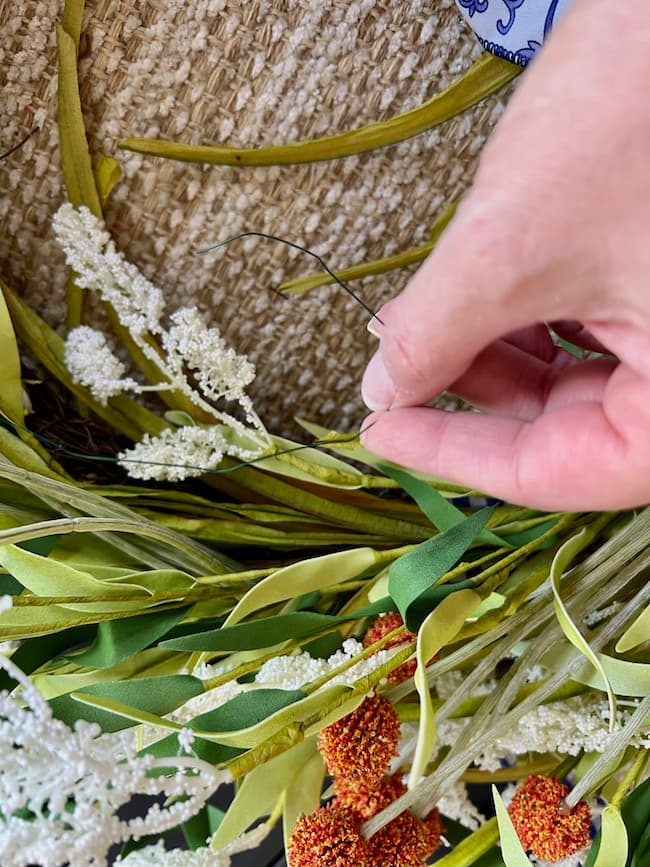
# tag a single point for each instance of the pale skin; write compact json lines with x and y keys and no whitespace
{"x":555,"y":229}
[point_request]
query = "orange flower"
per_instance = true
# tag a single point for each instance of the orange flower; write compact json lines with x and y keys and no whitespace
{"x":367,"y":800}
{"x":361,"y":745}
{"x":380,"y":627}
{"x":328,"y":837}
{"x":543,"y":822}
{"x":404,"y":842}
{"x":434,"y":828}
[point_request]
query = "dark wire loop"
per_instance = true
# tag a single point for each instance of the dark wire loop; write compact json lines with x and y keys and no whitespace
{"x":295,"y":246}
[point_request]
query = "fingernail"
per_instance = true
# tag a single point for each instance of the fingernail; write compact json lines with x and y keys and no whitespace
{"x":377,"y":388}
{"x":373,"y":327}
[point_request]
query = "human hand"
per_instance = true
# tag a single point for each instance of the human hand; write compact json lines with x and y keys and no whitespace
{"x":555,"y":229}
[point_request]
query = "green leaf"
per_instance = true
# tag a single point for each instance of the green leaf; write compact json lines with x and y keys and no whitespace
{"x":256,"y":634}
{"x":561,"y":561}
{"x":638,"y":632}
{"x":613,"y":847}
{"x":641,"y":855}
{"x":261,"y":789}
{"x":153,"y":695}
{"x":36,"y":651}
{"x":438,"y":629}
{"x":118,"y":639}
{"x":302,"y":577}
{"x":511,"y":848}
{"x":415,"y":573}
{"x":486,"y":76}
{"x":442,"y":514}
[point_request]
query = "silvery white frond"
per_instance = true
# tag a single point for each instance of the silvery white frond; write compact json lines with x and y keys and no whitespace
{"x":61,"y":788}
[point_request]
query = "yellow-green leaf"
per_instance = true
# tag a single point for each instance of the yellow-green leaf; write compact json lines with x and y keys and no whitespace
{"x":303,"y":577}
{"x":486,"y":76}
{"x":303,"y":793}
{"x":260,"y":790}
{"x":438,"y":629}
{"x":613,"y":847}
{"x":511,"y":849}
{"x":11,"y":389}
{"x":107,"y":174}
{"x":560,"y":563}
{"x":638,"y":632}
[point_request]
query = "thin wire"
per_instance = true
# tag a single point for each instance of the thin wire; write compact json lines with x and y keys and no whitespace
{"x":19,"y":145}
{"x":295,"y":246}
{"x":60,"y":448}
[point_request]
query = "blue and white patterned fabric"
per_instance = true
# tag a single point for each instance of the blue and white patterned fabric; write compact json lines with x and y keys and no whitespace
{"x":514,"y":29}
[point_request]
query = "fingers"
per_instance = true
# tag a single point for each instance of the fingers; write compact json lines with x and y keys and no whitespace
{"x":507,"y":381}
{"x":575,"y":456}
{"x":465,"y":297}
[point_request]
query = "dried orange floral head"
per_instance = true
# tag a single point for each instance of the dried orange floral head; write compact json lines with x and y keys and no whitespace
{"x":328,"y":837}
{"x":434,"y":829}
{"x":380,"y":627}
{"x":543,"y":822}
{"x":404,"y":842}
{"x":368,"y":799}
{"x":360,"y":746}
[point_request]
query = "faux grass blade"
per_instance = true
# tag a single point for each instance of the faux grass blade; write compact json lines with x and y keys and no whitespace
{"x":415,"y":573}
{"x":486,"y":76}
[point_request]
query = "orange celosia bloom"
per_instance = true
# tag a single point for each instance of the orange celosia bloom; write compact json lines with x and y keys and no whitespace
{"x":434,"y":828}
{"x":544,"y":824}
{"x":361,"y":745}
{"x":366,"y":800}
{"x":328,"y":837}
{"x":404,"y":842}
{"x":380,"y":627}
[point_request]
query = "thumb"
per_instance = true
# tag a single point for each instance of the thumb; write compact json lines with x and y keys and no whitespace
{"x":468,"y":293}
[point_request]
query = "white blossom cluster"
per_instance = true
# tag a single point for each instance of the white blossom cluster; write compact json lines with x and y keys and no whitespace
{"x":456,"y":804}
{"x":578,"y":723}
{"x":92,"y":363}
{"x":157,"y":856}
{"x":196,"y":360}
{"x":177,"y":453}
{"x":61,"y":788}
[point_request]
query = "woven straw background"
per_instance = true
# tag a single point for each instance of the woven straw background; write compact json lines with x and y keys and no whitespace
{"x":247,"y":72}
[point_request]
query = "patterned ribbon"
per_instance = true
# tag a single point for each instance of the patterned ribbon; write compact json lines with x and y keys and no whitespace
{"x":514,"y":29}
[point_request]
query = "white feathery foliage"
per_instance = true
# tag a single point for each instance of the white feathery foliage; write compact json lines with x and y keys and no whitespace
{"x":61,"y":788}
{"x":157,"y":856}
{"x":196,"y":360}
{"x":177,"y":453}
